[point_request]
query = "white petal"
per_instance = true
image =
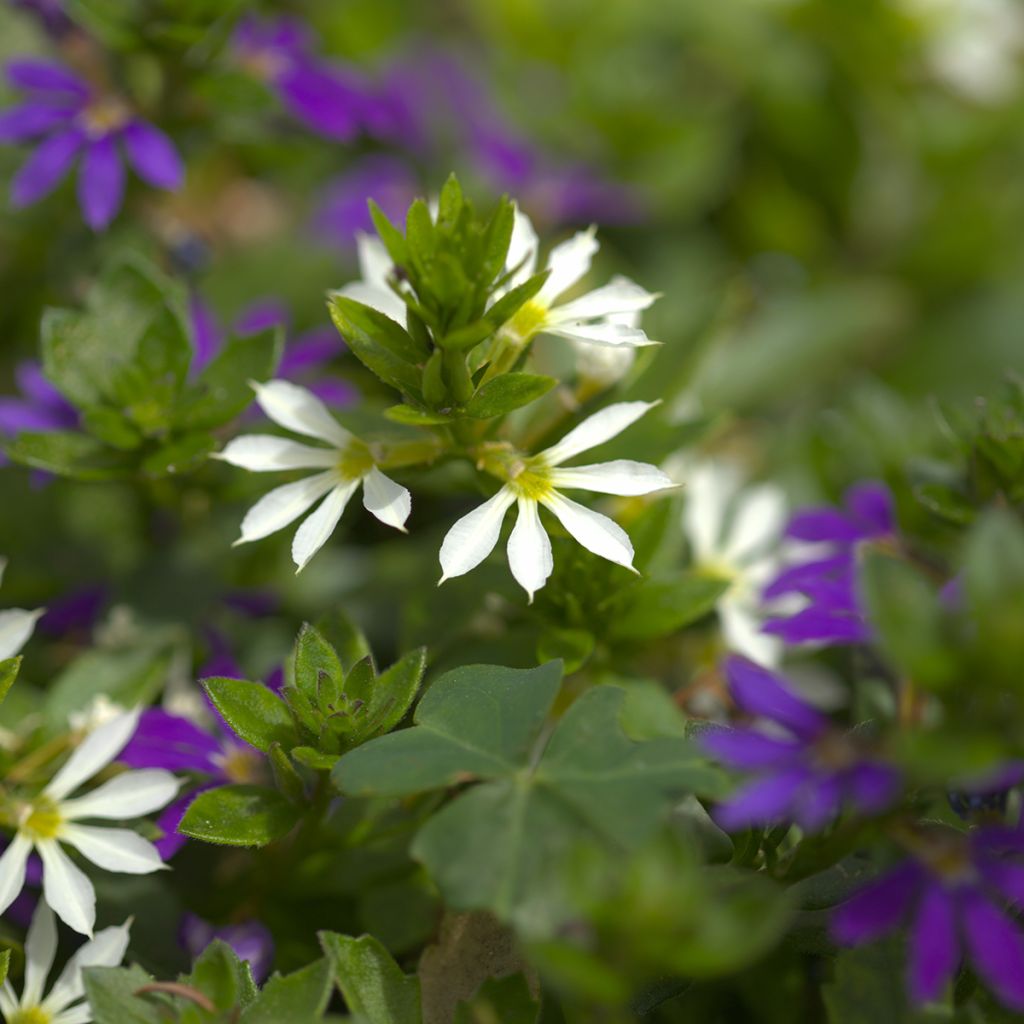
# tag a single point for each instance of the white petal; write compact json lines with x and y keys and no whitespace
{"x":472,"y":538}
{"x":8,"y":1000}
{"x":529,"y":549}
{"x":261,"y":453}
{"x":522,"y":248}
{"x":568,"y":262}
{"x":40,"y":949}
{"x":378,"y":297}
{"x":597,"y":429}
{"x":283,"y":505}
{"x":374,"y":262}
{"x":107,"y":949}
{"x":66,"y":888}
{"x":296,"y":408}
{"x":741,"y":627}
{"x":94,"y":753}
{"x":114,"y":849}
{"x":620,"y":295}
{"x":311,"y":536}
{"x":389,"y":502}
{"x":623,"y":476}
{"x":604,"y":364}
{"x":710,"y":488}
{"x":601,"y":332}
{"x":129,"y":795}
{"x":759,"y":518}
{"x":12,"y":869}
{"x":16,"y":626}
{"x":597,"y":533}
{"x":80,"y":1014}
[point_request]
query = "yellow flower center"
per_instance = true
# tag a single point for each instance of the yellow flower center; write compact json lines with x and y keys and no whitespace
{"x":44,"y":819}
{"x":530,"y":318}
{"x":355,"y":460}
{"x":531,"y":478}
{"x":242,"y":765}
{"x":263,"y":64}
{"x":31,"y":1015}
{"x":105,"y":115}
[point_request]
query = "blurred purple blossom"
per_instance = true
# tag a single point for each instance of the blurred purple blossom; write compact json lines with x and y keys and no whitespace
{"x":387,"y":180}
{"x":50,"y":14}
{"x":803,"y":769}
{"x":251,"y":941}
{"x":67,"y":119}
{"x":954,"y":894}
{"x":827,"y":578}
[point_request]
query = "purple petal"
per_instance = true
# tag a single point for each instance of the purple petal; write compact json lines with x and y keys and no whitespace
{"x":74,"y":612}
{"x":325,"y":100}
{"x":221,"y":660}
{"x":996,"y":946}
{"x":260,"y":315}
{"x":288,"y":37}
{"x":153,"y":155}
{"x":815,"y":626}
{"x":1004,"y":876}
{"x":101,"y":183}
{"x":797,"y":577}
{"x":206,"y":337}
{"x":934,"y":948}
{"x":764,"y":801}
{"x":17,"y":415}
{"x":388,"y":181}
{"x":871,"y":505}
{"x":170,"y":818}
{"x":310,"y":351}
{"x":871,"y":787}
{"x":250,"y":940}
{"x":43,"y":170}
{"x":877,"y":908}
{"x":334,"y":391}
{"x":29,"y":120}
{"x":32,"y":383}
{"x":818,"y":804}
{"x":163,"y":740}
{"x":254,"y":603}
{"x":750,"y":749}
{"x":823,"y":524}
{"x":37,"y":75}
{"x":758,"y":692}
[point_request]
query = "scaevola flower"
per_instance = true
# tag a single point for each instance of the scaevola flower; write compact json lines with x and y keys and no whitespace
{"x":16,"y":625}
{"x":538,"y":480}
{"x":344,"y":465}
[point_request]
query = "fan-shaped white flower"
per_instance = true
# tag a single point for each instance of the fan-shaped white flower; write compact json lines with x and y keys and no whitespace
{"x":735,"y":533}
{"x":16,"y":625}
{"x":54,"y":817}
{"x":65,"y":1002}
{"x":343,"y":466}
{"x":606,"y":316}
{"x":373,"y":290}
{"x":538,"y":480}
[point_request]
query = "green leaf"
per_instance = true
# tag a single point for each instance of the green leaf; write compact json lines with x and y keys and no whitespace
{"x":467,"y":337}
{"x":318,"y":671}
{"x":297,"y":998}
{"x":653,"y":608}
{"x":286,"y":778}
{"x":381,"y":329}
{"x":497,"y":237}
{"x":392,"y":694}
{"x":501,"y":395}
{"x":181,"y":455}
{"x":112,"y":427}
{"x":311,"y":758}
{"x":393,"y":370}
{"x":222,"y":390}
{"x":413,"y":417}
{"x":507,"y":1000}
{"x":420,"y":238}
{"x":69,"y":453}
{"x":253,"y":711}
{"x":509,"y":304}
{"x":478,"y":721}
{"x":393,"y":239}
{"x":239,"y":816}
{"x":374,"y":987}
{"x":8,"y":673}
{"x":449,"y":204}
{"x":221,"y":975}
{"x":111,"y":992}
{"x":5,"y":963}
{"x":347,"y":639}
{"x":573,"y":646}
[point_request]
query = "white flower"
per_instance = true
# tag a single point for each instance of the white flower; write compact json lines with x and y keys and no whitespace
{"x":735,"y":533}
{"x":536,"y":481}
{"x":99,"y":710}
{"x":345,"y":465}
{"x":606,"y":316}
{"x":53,"y":817}
{"x":64,"y":1004}
{"x":373,"y":290}
{"x":16,"y":625}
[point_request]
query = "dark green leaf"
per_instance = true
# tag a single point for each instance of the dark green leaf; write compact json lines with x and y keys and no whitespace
{"x":219,"y":974}
{"x":501,"y":395}
{"x":111,"y":992}
{"x":393,"y":239}
{"x":298,"y":998}
{"x":8,"y":673}
{"x":653,"y":608}
{"x":68,"y":453}
{"x":255,"y":713}
{"x":318,"y":671}
{"x":414,"y":417}
{"x":508,"y":305}
{"x":239,"y":816}
{"x":373,"y":985}
{"x":508,"y":1000}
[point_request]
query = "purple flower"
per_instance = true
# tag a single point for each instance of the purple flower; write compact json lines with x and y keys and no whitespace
{"x":804,"y":770}
{"x":251,"y":941}
{"x":305,"y":355}
{"x":387,"y":180}
{"x":40,"y":407}
{"x":327,"y":98}
{"x":68,"y":120}
{"x":953,"y":893}
{"x":828,"y":578}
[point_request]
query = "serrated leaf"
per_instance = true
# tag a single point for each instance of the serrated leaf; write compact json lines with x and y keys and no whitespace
{"x":8,"y":673}
{"x":318,"y":671}
{"x":392,"y":694}
{"x":374,"y":987}
{"x":393,"y":239}
{"x":298,"y":998}
{"x":111,"y":993}
{"x":220,"y":975}
{"x":510,"y":391}
{"x":239,"y":816}
{"x":253,"y":711}
{"x":497,"y":237}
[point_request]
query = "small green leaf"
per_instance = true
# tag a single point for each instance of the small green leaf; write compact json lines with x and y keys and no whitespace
{"x":8,"y":673}
{"x":392,"y":694}
{"x":255,"y":713}
{"x":112,"y":427}
{"x":5,"y":963}
{"x":181,"y":455}
{"x":286,"y":777}
{"x":347,"y":639}
{"x":298,"y":998}
{"x":468,"y":337}
{"x":112,"y":999}
{"x":413,"y":417}
{"x":239,"y":816}
{"x":420,"y":238}
{"x":71,"y":454}
{"x":393,"y":239}
{"x":381,"y":329}
{"x":219,"y":974}
{"x":449,"y":204}
{"x":508,"y":1000}
{"x":311,"y":758}
{"x":508,"y":305}
{"x":573,"y":646}
{"x":318,"y":671}
{"x":501,"y":395}
{"x":374,"y":987}
{"x":653,"y":608}
{"x":497,"y":237}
